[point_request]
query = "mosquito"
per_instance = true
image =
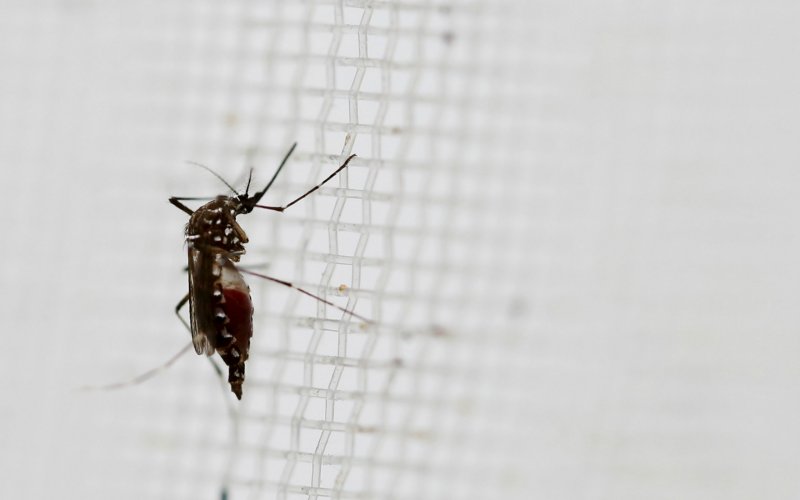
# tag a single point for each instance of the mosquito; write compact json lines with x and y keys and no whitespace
{"x":220,"y":306}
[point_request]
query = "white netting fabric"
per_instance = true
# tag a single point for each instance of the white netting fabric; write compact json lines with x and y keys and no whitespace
{"x":349,"y":411}
{"x":571,"y":223}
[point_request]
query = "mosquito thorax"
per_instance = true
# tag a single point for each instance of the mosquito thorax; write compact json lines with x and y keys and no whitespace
{"x":213,"y":226}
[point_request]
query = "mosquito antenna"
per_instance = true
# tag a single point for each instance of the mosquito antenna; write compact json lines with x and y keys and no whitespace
{"x":215,"y":175}
{"x":259,"y":194}
{"x":142,"y":376}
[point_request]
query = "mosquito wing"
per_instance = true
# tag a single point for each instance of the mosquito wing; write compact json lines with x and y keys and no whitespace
{"x":201,"y":289}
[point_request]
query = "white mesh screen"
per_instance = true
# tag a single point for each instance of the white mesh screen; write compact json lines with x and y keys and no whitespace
{"x":571,"y":222}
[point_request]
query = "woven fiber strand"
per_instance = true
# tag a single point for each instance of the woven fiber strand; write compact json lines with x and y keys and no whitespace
{"x":571,"y":224}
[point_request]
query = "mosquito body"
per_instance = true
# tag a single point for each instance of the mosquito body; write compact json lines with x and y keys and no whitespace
{"x":220,"y":306}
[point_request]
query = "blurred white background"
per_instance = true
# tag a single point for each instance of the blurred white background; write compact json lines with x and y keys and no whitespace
{"x":575,"y":224}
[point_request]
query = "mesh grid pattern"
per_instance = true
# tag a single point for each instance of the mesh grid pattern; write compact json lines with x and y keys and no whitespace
{"x":571,"y":224}
{"x":332,"y":391}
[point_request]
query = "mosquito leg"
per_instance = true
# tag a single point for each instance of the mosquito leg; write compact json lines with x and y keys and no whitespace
{"x":176,"y":201}
{"x":219,"y":371}
{"x":214,"y":174}
{"x":178,"y":308}
{"x":233,"y":414}
{"x":214,"y":364}
{"x":142,"y":376}
{"x":259,"y":265}
{"x":306,"y":292}
{"x":281,"y":209}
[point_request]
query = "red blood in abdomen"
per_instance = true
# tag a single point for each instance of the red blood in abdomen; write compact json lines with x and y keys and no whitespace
{"x":239,"y":309}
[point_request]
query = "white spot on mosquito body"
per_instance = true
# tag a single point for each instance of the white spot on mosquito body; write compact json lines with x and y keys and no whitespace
{"x":230,"y":277}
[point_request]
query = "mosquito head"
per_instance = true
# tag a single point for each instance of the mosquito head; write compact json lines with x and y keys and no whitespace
{"x":246,"y":203}
{"x":249,"y":202}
